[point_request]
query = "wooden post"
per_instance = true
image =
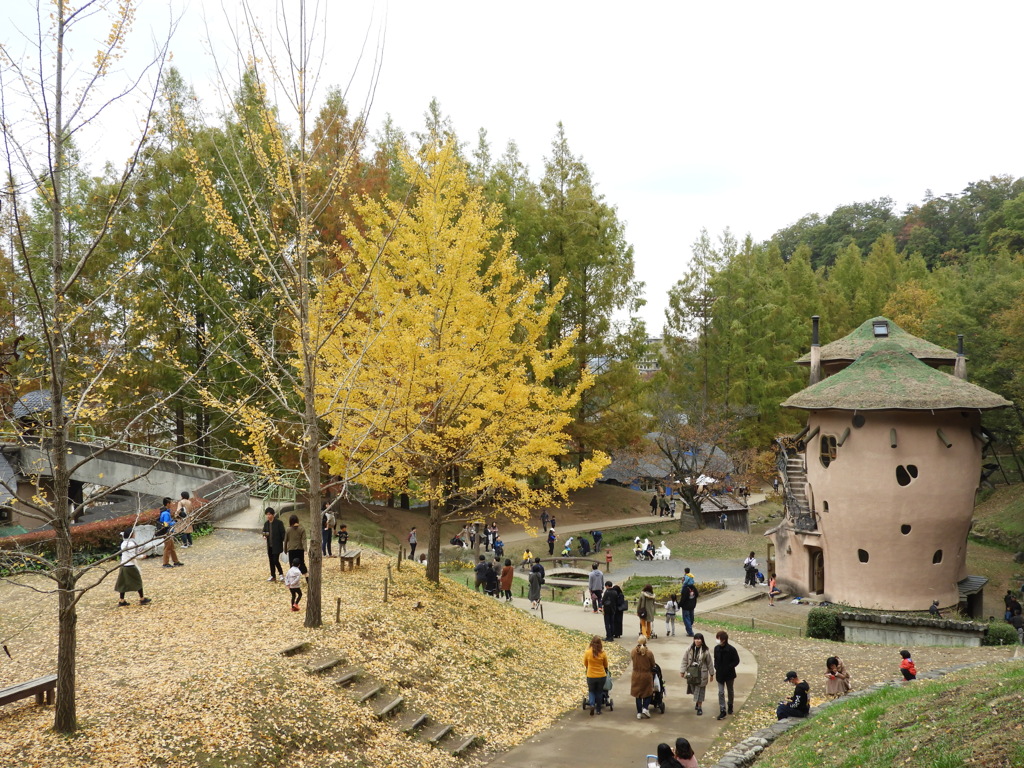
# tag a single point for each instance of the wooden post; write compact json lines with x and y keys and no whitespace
{"x":337,"y":612}
{"x":540,"y":606}
{"x":401,"y":557}
{"x":386,"y":587}
{"x":382,"y":542}
{"x":390,"y":580}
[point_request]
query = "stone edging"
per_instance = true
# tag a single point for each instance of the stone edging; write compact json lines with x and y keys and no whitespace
{"x":747,"y":751}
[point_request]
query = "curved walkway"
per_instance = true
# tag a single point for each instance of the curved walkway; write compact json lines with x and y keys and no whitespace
{"x":617,"y":738}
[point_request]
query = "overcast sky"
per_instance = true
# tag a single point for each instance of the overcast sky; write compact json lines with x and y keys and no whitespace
{"x":745,"y":115}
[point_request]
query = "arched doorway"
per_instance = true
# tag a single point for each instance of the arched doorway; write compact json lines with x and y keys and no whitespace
{"x":817,"y":570}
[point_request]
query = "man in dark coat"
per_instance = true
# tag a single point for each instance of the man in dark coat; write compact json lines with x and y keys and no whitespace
{"x":610,"y":605}
{"x":726,"y":661}
{"x":687,"y":605}
{"x":623,"y":606}
{"x":273,"y":532}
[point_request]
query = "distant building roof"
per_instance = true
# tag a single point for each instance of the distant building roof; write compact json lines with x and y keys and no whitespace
{"x":722,"y":503}
{"x":627,"y":469}
{"x":862,"y":338}
{"x":8,"y":482}
{"x":971,"y":585}
{"x":888,"y":377}
{"x":31,"y":403}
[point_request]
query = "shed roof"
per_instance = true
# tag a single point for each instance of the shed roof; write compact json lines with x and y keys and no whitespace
{"x":888,"y":377}
{"x":862,"y":338}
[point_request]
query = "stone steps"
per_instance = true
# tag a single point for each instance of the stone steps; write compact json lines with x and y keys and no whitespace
{"x":389,"y":708}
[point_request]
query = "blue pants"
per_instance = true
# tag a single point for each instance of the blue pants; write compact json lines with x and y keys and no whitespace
{"x":688,"y":622}
{"x":595,"y":692}
{"x":784,"y":710}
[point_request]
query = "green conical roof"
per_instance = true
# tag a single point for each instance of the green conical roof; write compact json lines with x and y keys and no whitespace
{"x":862,"y":338}
{"x":889,"y":377}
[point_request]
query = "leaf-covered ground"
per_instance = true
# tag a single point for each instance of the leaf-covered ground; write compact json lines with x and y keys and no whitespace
{"x":196,"y":679}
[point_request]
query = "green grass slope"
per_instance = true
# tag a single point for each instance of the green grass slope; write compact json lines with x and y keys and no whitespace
{"x":967,"y":718}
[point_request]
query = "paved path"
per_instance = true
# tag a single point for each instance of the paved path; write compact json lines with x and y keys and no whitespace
{"x":617,"y":739}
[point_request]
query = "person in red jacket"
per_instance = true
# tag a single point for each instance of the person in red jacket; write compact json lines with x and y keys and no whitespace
{"x":907,"y":666}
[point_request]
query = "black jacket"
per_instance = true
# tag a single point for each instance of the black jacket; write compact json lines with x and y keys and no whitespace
{"x":275,"y":535}
{"x":688,"y":600}
{"x":726,"y":661}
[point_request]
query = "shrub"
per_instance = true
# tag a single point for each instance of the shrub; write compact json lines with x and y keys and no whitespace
{"x":1000,"y":633}
{"x":824,"y":624}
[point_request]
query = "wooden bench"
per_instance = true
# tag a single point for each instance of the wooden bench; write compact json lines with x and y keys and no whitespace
{"x":351,"y":558}
{"x":42,"y":688}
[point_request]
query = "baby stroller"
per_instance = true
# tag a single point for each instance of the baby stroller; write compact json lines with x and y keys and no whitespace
{"x":606,"y":701}
{"x":658,"y":700}
{"x":584,"y":546}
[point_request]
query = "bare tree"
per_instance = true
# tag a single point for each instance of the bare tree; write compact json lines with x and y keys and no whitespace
{"x":701,"y":446}
{"x":67,"y":280}
{"x":281,"y":175}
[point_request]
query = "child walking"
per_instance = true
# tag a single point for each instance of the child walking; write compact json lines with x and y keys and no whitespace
{"x":293,"y":580}
{"x":907,"y":666}
{"x":671,"y":607}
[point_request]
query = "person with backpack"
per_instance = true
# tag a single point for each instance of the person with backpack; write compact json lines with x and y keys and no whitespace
{"x":595,"y":582}
{"x":165,"y":528}
{"x":750,"y":571}
{"x":412,"y":543}
{"x":185,"y":520}
{"x":327,"y":522}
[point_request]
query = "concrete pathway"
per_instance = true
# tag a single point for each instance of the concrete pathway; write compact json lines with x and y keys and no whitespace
{"x":248,"y":519}
{"x":617,"y":738}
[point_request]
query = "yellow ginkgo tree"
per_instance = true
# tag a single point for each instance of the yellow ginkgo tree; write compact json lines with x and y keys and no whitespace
{"x":453,"y":401}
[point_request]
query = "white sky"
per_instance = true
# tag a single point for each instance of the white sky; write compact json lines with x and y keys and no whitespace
{"x":738,"y":114}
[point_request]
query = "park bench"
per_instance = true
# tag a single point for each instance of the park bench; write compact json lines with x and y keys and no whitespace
{"x":42,"y":688}
{"x":350,"y":559}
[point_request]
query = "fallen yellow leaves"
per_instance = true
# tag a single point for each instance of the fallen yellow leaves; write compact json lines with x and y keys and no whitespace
{"x":195,"y":679}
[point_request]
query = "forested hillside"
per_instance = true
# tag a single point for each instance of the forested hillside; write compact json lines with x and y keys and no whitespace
{"x":949,"y":265}
{"x":739,"y":310}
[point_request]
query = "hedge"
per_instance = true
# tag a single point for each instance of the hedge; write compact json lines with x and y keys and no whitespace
{"x":824,"y":624}
{"x":1000,"y":633}
{"x":102,"y":535}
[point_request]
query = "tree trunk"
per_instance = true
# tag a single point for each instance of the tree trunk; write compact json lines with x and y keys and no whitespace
{"x":434,"y":536}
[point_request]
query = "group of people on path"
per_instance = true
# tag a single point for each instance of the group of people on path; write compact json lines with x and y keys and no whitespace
{"x":291,"y":541}
{"x":494,"y":578}
{"x":174,"y":523}
{"x":662,"y":505}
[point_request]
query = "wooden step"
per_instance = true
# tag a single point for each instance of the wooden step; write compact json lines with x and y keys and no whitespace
{"x":432,"y":734}
{"x":348,"y":676}
{"x":390,"y":708}
{"x":324,"y":665}
{"x":363,"y":693}
{"x":409,"y":721}
{"x":461,"y":746}
{"x":294,"y":650}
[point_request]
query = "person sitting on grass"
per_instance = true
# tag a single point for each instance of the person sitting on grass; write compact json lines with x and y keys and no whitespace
{"x":799,"y":703}
{"x":907,"y":668}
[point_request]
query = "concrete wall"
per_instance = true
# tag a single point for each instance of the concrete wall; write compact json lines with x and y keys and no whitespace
{"x":907,"y":636}
{"x":880,"y":538}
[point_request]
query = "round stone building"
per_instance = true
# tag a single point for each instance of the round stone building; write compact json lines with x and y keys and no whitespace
{"x":880,"y":485}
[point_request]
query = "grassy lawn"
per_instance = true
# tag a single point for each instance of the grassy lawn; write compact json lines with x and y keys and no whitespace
{"x":971,"y":717}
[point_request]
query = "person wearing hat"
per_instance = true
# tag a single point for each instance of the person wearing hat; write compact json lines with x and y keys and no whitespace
{"x":799,"y":703}
{"x":273,"y":532}
{"x":128,"y":577}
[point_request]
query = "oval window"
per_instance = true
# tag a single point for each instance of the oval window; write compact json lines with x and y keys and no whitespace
{"x":937,"y":557}
{"x":862,"y":555}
